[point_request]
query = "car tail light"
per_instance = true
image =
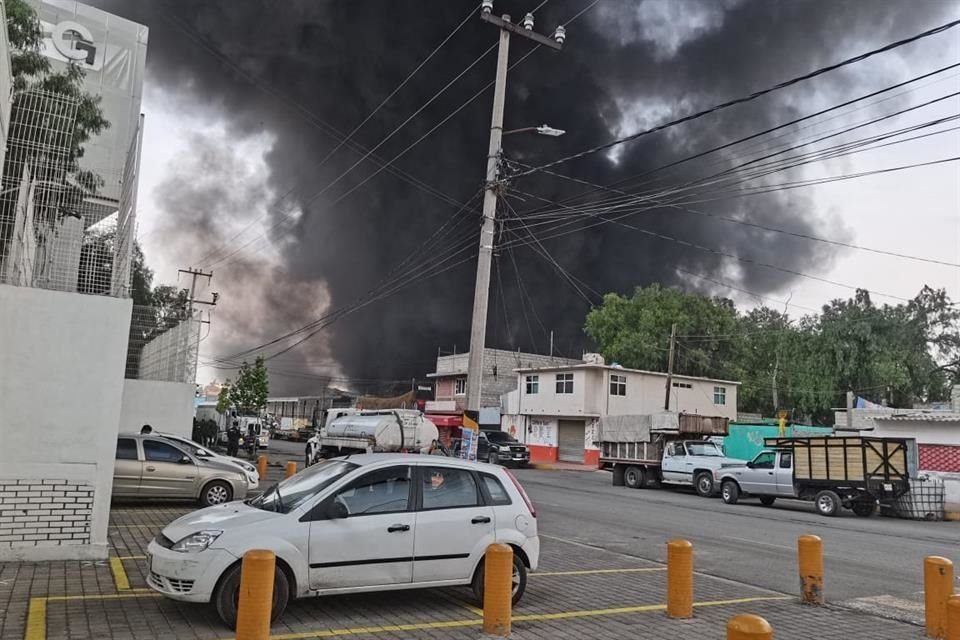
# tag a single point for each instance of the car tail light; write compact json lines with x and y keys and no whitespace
{"x":523,"y":494}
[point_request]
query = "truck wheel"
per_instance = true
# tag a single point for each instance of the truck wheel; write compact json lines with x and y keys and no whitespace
{"x":767,"y":500}
{"x":827,"y":502}
{"x":730,"y":492}
{"x":633,"y":477}
{"x":226,"y":596}
{"x":864,"y":507}
{"x":703,"y":483}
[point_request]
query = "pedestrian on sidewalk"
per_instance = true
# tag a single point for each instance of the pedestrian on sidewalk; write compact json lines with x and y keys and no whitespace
{"x":253,"y":441}
{"x":233,"y":439}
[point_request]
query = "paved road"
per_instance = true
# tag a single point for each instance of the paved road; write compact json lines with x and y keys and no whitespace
{"x":746,"y":542}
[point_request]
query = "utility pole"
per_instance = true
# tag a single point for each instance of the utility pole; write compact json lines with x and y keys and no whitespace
{"x":551,"y":343}
{"x":481,"y":295}
{"x":191,"y":296}
{"x":673,"y":344}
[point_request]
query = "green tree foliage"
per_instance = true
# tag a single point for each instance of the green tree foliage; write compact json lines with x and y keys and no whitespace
{"x":223,"y":400}
{"x":249,"y":393}
{"x":900,"y":354}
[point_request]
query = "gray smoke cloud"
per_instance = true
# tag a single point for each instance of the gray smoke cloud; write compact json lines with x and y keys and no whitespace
{"x":626,"y":65}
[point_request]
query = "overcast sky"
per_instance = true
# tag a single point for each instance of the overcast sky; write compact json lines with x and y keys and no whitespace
{"x":913,"y":212}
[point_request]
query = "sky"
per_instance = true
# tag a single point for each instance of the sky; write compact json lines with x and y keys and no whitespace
{"x":213,"y":167}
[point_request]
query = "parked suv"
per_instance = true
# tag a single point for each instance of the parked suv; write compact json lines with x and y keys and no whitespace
{"x":499,"y":447}
{"x":370,"y":522}
{"x":149,"y":466}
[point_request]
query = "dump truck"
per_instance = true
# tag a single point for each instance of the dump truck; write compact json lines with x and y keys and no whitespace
{"x":663,"y":448}
{"x":398,"y":430}
{"x":855,"y":473}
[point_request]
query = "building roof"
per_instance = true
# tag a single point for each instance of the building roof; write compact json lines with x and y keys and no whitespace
{"x":938,"y":416}
{"x":619,"y":370}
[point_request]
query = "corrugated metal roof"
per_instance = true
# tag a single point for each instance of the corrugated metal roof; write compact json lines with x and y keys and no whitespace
{"x":940,"y":416}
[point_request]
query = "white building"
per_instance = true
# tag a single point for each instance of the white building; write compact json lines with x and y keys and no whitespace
{"x":555,"y":409}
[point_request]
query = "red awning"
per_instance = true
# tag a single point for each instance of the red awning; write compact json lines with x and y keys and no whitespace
{"x":445,"y":420}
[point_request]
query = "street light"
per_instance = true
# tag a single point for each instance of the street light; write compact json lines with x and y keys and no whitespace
{"x":543,"y":130}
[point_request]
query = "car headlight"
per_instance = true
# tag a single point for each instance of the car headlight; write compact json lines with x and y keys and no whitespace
{"x":196,"y":542}
{"x":252,"y":479}
{"x":249,"y":468}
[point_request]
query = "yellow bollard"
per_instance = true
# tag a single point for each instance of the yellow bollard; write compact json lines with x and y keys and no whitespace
{"x":256,"y":595}
{"x":291,"y":468}
{"x":953,"y":618}
{"x":749,"y":627}
{"x":498,"y":590}
{"x":262,"y":467}
{"x":937,"y":588}
{"x":679,"y":579}
{"x":810,"y":559}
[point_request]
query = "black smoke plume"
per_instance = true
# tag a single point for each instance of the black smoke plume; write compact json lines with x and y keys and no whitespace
{"x":627,"y":64}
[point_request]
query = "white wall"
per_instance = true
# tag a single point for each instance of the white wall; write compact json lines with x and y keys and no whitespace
{"x":165,"y":406}
{"x":61,"y":382}
{"x":549,"y":402}
{"x":925,"y":431}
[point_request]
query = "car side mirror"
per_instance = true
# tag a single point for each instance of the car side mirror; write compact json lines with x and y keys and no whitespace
{"x":750,"y":465}
{"x":337,"y":511}
{"x":185,"y":460}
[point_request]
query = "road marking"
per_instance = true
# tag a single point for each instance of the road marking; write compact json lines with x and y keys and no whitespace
{"x":588,"y":572}
{"x":533,"y":617}
{"x":131,"y":557}
{"x":119,"y":574}
{"x":763,"y":544}
{"x":36,"y":620}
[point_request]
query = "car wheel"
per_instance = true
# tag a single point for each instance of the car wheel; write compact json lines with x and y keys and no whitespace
{"x":492,"y":458}
{"x":827,"y":502}
{"x":633,"y":477}
{"x":704,"y":485}
{"x":767,"y":500}
{"x":226,"y":597}
{"x":519,"y":580}
{"x":217,"y":492}
{"x":864,"y":508}
{"x":730,"y":492}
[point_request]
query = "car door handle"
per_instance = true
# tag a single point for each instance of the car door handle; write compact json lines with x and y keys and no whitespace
{"x":769,"y":473}
{"x":151,"y":468}
{"x":480,"y":520}
{"x":398,"y":527}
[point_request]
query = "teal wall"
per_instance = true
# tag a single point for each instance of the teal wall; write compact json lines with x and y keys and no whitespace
{"x":746,"y":440}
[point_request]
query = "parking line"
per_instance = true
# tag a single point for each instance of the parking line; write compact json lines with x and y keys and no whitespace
{"x":119,"y":574}
{"x":131,"y":557}
{"x":588,"y":572}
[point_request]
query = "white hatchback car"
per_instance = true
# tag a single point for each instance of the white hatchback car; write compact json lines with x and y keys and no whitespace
{"x":374,"y":522}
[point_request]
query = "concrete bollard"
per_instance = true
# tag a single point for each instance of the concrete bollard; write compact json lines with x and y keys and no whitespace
{"x":679,"y":579}
{"x":953,"y":617}
{"x":937,"y":588}
{"x":497,"y":590}
{"x":810,"y":561}
{"x":291,"y":468}
{"x":262,"y":467}
{"x":749,"y":627}
{"x":256,"y":595}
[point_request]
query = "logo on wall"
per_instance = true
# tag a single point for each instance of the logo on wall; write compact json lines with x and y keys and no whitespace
{"x":70,"y":41}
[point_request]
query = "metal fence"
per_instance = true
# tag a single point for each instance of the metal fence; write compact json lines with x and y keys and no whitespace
{"x":163,"y":345}
{"x":57,"y":228}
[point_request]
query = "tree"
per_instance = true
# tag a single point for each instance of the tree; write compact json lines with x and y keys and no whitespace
{"x":249,"y":393}
{"x":223,"y":400}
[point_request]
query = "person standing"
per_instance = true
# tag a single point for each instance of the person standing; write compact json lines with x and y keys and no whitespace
{"x":233,"y":439}
{"x":253,"y":440}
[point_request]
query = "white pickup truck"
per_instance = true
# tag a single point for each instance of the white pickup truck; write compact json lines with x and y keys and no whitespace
{"x":691,"y":463}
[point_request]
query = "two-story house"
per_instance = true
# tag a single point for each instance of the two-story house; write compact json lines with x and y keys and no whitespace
{"x":555,"y":409}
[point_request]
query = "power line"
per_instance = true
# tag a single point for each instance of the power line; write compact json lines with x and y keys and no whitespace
{"x":748,"y":98}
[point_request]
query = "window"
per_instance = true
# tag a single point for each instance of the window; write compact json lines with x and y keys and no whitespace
{"x":382,"y":491}
{"x":764,"y":460}
{"x":460,"y":387}
{"x":719,"y":395}
{"x":533,"y":385}
{"x":786,"y":460}
{"x":564,"y":383}
{"x":498,"y":495}
{"x":126,"y":449}
{"x":682,"y":385}
{"x":618,"y":385}
{"x":448,"y":488}
{"x":154,"y":451}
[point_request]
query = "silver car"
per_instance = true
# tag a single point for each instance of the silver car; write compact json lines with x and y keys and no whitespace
{"x":149,"y":466}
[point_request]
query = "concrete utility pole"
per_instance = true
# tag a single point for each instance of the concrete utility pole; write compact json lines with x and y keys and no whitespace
{"x":478,"y":327}
{"x":191,"y":296}
{"x":673,"y":344}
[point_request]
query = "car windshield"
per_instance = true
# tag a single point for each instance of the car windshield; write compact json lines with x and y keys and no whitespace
{"x":286,"y":496}
{"x":197,"y":449}
{"x":500,"y":436}
{"x":703,"y":449}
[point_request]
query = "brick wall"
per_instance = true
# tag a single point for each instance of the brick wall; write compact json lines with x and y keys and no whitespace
{"x":44,"y":513}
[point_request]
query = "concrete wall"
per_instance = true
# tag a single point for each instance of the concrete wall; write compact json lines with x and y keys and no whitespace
{"x":61,"y":383}
{"x":548,"y":402}
{"x":165,"y":406}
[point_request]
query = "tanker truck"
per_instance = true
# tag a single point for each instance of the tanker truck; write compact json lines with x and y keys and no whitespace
{"x":396,"y":430}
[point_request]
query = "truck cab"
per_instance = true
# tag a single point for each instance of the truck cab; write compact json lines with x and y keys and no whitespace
{"x":693,"y":462}
{"x":768,"y":476}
